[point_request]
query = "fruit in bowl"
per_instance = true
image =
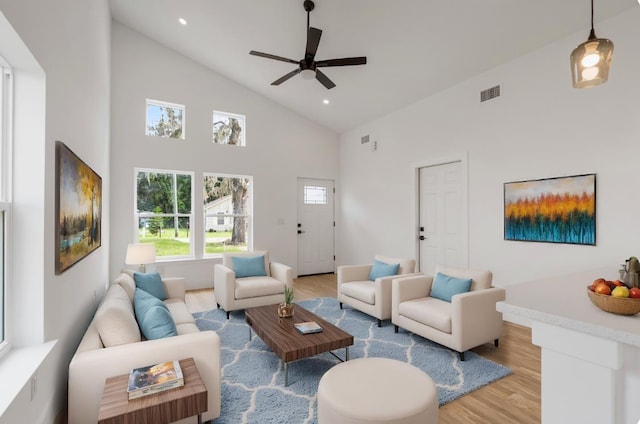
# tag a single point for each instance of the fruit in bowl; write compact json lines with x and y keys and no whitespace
{"x":602,"y":288}
{"x":620,"y":291}
{"x":613,"y":297}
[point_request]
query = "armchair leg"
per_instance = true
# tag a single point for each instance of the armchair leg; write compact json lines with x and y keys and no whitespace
{"x":379,"y":323}
{"x":462,"y":356}
{"x":218,"y":305}
{"x":340,"y":305}
{"x":227,"y":314}
{"x":395,"y":328}
{"x":496,"y":342}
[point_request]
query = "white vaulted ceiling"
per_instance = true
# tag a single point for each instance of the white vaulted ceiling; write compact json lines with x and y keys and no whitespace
{"x":414,"y":48}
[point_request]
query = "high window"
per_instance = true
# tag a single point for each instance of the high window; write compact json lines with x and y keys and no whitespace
{"x":228,"y":128}
{"x":5,"y":196}
{"x":165,"y":119}
{"x":164,"y":202}
{"x":227,"y":213}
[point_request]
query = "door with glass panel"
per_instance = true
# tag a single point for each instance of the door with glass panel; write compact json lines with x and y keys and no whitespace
{"x":315,"y":226}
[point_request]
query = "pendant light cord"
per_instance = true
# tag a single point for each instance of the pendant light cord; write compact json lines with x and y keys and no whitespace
{"x":592,"y":15}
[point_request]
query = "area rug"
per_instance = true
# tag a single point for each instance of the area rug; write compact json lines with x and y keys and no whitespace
{"x":253,"y":376}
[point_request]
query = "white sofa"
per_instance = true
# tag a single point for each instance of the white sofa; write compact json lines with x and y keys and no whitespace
{"x":113,"y":345}
{"x":469,"y":320}
{"x":248,"y":292}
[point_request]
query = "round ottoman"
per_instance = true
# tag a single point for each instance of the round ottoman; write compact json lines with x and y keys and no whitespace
{"x":376,"y":390}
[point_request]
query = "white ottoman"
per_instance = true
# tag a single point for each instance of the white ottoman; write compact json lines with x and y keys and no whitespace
{"x":376,"y":390}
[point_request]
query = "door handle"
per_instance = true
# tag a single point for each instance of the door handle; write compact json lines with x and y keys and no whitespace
{"x":300,"y":231}
{"x":422,"y":238}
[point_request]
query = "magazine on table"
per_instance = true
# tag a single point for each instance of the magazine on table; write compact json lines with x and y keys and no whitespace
{"x":154,"y":379}
{"x":308,"y":327}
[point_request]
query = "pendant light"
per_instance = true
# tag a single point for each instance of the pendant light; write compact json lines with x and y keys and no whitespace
{"x":590,"y":61}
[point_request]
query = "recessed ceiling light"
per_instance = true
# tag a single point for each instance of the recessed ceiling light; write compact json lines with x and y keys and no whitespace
{"x":325,"y":101}
{"x":182,"y":21}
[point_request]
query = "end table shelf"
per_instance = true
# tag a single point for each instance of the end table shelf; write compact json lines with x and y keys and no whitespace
{"x":164,"y":407}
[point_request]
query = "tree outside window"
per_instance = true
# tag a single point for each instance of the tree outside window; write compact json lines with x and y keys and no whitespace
{"x":165,"y":119}
{"x":227,"y":197}
{"x":228,"y":128}
{"x":163,"y":211}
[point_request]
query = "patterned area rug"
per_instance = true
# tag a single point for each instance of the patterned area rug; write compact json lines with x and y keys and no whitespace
{"x":253,"y":376}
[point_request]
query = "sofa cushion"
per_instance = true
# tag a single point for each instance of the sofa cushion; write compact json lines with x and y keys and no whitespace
{"x":151,"y":283}
{"x":153,"y":316}
{"x":114,"y":319}
{"x":479,"y":279}
{"x":407,"y":266}
{"x":249,"y":266}
{"x":429,"y":311}
{"x":445,"y":286}
{"x":363,"y":291}
{"x":380,"y":269}
{"x":227,"y":258}
{"x":179,"y":311}
{"x":125,"y":279}
{"x":258,"y":286}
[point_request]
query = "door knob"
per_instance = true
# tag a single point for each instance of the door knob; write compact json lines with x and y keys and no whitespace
{"x":300,"y":231}
{"x":422,"y":238}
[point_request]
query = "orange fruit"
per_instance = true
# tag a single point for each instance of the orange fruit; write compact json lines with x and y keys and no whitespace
{"x":603,"y":288}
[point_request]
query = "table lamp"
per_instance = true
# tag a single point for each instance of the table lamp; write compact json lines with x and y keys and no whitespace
{"x":140,"y":253}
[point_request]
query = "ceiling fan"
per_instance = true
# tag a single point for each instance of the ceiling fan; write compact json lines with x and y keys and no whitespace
{"x":308,"y":66}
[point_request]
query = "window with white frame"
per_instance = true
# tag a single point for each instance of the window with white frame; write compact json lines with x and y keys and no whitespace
{"x":165,"y":119}
{"x":6,"y":91}
{"x":315,"y":195}
{"x":164,"y":202}
{"x":228,"y":128}
{"x":227,"y":213}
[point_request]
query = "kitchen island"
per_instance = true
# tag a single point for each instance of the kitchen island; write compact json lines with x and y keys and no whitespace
{"x":590,"y":358}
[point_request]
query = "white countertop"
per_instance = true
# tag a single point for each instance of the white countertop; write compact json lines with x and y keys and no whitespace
{"x":563,"y":301}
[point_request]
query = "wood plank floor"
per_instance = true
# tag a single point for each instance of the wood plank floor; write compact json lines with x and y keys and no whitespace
{"x":513,"y":399}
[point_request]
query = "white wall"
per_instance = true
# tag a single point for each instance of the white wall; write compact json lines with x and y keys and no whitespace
{"x":539,"y":127}
{"x":70,"y":41}
{"x":281,"y":146}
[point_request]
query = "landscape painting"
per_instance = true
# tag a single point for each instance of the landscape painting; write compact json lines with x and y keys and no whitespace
{"x":552,"y":210}
{"x":78,"y":208}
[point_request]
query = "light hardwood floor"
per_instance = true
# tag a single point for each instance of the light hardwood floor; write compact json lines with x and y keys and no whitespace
{"x":513,"y":399}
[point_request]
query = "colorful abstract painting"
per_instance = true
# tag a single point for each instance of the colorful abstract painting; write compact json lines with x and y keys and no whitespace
{"x":78,"y":208}
{"x":553,"y":210}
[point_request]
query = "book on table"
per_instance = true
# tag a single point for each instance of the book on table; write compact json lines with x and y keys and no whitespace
{"x":308,"y":327}
{"x":154,"y":378}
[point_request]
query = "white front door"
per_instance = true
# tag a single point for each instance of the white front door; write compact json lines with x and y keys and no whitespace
{"x":441,"y":215}
{"x":315,"y":226}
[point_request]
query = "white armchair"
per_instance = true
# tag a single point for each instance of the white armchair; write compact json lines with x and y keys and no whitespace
{"x":469,"y":320}
{"x":371,"y":297}
{"x":239,"y":293}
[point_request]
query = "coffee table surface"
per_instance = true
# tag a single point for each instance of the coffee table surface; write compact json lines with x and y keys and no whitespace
{"x":289,"y":344}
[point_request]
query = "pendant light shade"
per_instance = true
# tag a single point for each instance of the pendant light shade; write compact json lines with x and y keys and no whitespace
{"x":590,"y":61}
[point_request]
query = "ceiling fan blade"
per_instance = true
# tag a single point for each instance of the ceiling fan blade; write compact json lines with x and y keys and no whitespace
{"x":272,"y":56}
{"x":286,"y":77}
{"x":324,"y":80}
{"x":313,"y":41}
{"x":346,"y":61}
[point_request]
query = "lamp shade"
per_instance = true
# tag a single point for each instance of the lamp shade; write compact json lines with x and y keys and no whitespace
{"x":590,"y":62}
{"x":140,"y":254}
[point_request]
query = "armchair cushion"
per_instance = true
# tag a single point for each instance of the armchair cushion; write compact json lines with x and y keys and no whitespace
{"x":151,"y":283}
{"x":153,"y":316}
{"x":249,"y":266}
{"x":381,"y":269}
{"x":364,"y":291}
{"x":446,"y":286}
{"x":258,"y":286}
{"x":429,"y":311}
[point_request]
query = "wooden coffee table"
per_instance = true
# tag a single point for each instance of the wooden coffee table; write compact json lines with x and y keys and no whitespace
{"x":290,"y":345}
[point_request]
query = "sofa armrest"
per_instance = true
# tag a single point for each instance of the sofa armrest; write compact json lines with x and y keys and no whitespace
{"x":383,"y":287}
{"x":224,"y":282}
{"x":88,"y":370}
{"x":474,"y":316}
{"x":282,"y":272}
{"x":413,"y":287}
{"x":348,"y":273}
{"x":175,"y":287}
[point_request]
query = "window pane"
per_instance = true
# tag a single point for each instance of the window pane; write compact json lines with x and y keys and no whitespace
{"x":228,"y":128}
{"x":165,"y":119}
{"x":220,"y":241}
{"x":170,"y":235}
{"x":315,"y":195}
{"x":155,"y":192}
{"x":184,"y":193}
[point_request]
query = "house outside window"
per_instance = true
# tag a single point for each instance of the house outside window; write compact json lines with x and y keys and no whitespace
{"x":164,"y":211}
{"x":228,"y":212}
{"x":165,"y":119}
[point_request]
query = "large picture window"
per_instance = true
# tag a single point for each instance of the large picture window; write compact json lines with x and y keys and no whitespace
{"x":227,"y":213}
{"x":164,"y":202}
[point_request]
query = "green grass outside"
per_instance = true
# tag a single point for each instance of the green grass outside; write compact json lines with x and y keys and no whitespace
{"x":168,"y":233}
{"x":169,"y":246}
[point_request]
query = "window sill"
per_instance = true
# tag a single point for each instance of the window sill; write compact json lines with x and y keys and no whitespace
{"x":16,"y":369}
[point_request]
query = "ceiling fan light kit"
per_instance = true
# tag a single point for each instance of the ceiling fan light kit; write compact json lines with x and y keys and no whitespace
{"x":308,"y":66}
{"x":591,"y":60}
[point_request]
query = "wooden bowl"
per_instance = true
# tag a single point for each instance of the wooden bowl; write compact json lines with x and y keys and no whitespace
{"x":615,"y":305}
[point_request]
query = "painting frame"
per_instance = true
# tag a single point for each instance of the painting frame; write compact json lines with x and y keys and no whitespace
{"x":551,"y":210}
{"x":78,"y":226}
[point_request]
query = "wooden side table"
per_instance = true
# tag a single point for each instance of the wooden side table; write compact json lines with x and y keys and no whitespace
{"x":164,"y":407}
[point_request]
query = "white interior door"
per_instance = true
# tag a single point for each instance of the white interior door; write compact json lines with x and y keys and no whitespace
{"x":315,"y":226}
{"x":441,"y":215}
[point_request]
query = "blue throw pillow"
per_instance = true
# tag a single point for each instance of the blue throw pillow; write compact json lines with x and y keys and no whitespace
{"x":248,"y":266}
{"x":153,"y":316}
{"x":380,"y":269}
{"x":445,"y":287}
{"x":151,"y":283}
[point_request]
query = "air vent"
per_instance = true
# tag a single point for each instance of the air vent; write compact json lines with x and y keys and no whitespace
{"x":364,"y":139}
{"x":489,"y":93}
